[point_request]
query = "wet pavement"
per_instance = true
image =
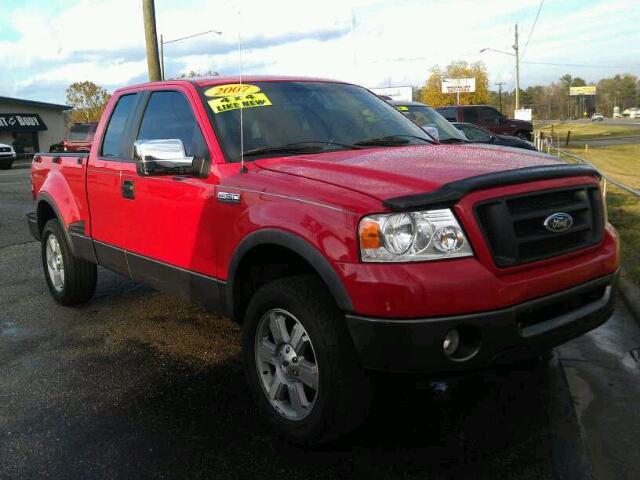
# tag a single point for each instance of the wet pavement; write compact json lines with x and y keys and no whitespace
{"x":139,"y":384}
{"x":603,"y":372}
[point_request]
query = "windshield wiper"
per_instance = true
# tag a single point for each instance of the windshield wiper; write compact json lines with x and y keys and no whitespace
{"x":298,"y":147}
{"x":453,"y":140}
{"x":389,"y":141}
{"x":288,"y":148}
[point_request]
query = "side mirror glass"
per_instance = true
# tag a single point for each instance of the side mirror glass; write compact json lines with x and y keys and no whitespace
{"x":161,"y":157}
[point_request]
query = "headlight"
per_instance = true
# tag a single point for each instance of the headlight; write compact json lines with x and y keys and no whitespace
{"x":412,"y":237}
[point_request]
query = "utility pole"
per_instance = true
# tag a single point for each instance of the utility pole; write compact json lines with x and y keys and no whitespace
{"x":151,"y":38}
{"x":515,"y":47}
{"x":500,"y":93}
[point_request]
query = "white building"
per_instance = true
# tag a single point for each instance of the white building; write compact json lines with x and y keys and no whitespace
{"x":31,"y":126}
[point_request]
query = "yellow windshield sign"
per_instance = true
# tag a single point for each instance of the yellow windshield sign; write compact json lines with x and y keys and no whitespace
{"x":231,"y":89}
{"x":224,"y":104}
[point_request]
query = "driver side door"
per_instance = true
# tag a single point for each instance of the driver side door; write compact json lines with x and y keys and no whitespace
{"x":169,"y":220}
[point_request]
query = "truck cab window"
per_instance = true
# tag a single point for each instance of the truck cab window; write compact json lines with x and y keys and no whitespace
{"x":115,"y":130}
{"x":448,"y":112}
{"x":488,"y":114}
{"x":169,"y":115}
{"x":470,"y":114}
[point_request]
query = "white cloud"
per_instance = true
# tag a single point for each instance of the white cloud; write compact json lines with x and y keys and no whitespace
{"x":399,"y":40}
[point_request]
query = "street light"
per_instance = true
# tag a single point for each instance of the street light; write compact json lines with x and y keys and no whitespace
{"x":163,"y":43}
{"x":515,"y":47}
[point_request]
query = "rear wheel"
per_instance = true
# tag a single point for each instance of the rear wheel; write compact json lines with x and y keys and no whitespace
{"x":300,"y":362}
{"x":70,"y":279}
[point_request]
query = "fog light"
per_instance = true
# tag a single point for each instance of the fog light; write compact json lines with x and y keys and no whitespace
{"x":451,"y":342}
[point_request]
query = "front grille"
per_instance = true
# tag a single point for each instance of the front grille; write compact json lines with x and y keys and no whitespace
{"x":514,"y":226}
{"x":5,"y":149}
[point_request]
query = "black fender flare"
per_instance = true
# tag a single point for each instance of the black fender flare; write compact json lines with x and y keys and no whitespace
{"x":311,"y":254}
{"x":45,"y":198}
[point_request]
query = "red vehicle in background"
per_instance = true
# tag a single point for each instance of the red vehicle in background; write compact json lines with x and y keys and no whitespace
{"x":334,"y":229}
{"x":79,"y":137}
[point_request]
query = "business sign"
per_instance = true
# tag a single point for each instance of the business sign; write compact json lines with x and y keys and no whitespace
{"x":21,"y":122}
{"x":573,"y":91}
{"x":458,"y":85}
{"x":404,"y":94}
{"x":522,"y":114}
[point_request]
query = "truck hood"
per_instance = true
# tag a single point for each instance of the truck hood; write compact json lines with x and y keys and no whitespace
{"x":390,"y":172}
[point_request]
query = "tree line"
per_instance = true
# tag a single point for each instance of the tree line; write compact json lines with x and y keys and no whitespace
{"x":546,"y":101}
{"x":551,"y":101}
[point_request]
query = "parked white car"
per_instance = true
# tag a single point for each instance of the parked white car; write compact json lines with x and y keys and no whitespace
{"x":7,"y":156}
{"x":597,"y":117}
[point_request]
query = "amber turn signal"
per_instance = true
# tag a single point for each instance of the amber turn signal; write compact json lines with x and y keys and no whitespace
{"x":369,"y":235}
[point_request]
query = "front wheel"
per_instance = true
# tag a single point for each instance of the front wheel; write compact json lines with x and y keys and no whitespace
{"x":300,"y":362}
{"x":6,"y":166}
{"x":70,"y":279}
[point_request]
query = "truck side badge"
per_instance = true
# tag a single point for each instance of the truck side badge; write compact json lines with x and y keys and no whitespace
{"x":227,"y":197}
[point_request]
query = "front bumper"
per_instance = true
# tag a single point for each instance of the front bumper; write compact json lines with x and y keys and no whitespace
{"x":495,"y":337}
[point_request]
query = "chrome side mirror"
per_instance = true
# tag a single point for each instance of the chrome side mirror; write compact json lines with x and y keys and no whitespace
{"x":161,"y":157}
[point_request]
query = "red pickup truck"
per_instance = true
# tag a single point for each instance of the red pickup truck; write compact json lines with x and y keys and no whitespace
{"x":332,"y":227}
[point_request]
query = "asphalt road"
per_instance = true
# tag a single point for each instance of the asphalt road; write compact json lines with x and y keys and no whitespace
{"x":139,"y":384}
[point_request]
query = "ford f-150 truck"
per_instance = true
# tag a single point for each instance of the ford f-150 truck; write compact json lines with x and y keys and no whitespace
{"x":334,"y":229}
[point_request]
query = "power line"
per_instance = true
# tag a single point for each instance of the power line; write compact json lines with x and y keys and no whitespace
{"x":531,"y":32}
{"x":585,"y":66}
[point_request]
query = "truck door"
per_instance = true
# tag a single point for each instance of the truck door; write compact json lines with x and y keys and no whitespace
{"x":493,"y":120}
{"x":169,"y":219}
{"x":104,"y":190}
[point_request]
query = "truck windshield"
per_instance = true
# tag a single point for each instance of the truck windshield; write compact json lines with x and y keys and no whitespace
{"x":296,"y":117}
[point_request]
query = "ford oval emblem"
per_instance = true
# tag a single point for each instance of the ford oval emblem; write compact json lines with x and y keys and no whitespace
{"x":558,"y":222}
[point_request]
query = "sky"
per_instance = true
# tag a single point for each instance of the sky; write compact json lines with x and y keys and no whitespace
{"x":45,"y":45}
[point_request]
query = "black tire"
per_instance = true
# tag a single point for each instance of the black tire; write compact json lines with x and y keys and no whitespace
{"x":523,"y":136}
{"x":6,"y":166}
{"x":78,"y":280}
{"x":343,"y":394}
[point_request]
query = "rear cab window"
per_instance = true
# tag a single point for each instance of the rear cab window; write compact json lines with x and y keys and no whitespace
{"x":81,"y":132}
{"x":113,"y":136}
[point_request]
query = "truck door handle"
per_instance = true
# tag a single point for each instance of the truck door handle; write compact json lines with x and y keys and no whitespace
{"x":128,"y":190}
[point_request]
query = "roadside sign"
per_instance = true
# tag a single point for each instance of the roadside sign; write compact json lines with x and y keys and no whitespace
{"x":458,"y":85}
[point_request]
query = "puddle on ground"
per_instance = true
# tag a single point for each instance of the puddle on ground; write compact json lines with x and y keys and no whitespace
{"x":9,"y":330}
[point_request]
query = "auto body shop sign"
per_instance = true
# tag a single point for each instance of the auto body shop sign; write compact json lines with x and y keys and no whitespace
{"x":21,"y":122}
{"x":458,"y":85}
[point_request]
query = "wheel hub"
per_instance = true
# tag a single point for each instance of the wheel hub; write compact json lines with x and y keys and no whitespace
{"x":288,"y":362}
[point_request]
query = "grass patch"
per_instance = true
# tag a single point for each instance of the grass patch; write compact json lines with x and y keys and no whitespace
{"x":585,"y":131}
{"x":619,"y":162}
{"x":624,"y":214}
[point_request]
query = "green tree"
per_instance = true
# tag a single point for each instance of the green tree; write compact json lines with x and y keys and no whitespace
{"x":431,"y":92}
{"x":88,"y":101}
